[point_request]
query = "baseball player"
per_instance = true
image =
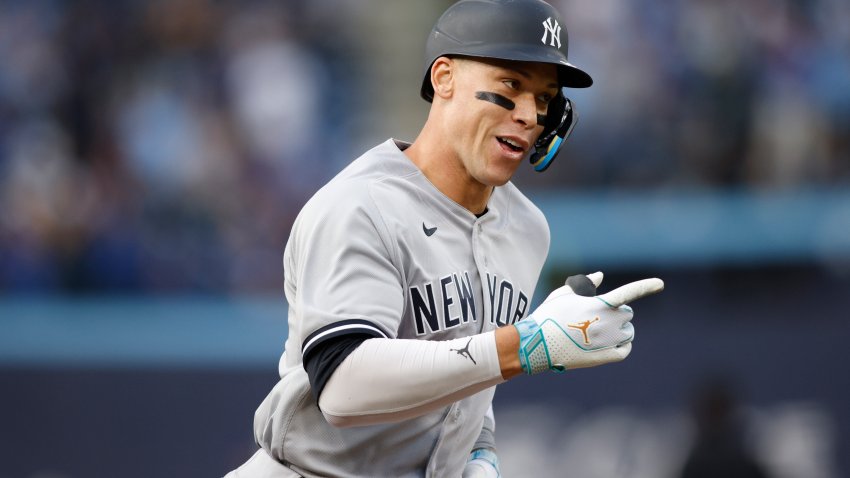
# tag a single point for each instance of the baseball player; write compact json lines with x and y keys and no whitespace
{"x":409,"y":275}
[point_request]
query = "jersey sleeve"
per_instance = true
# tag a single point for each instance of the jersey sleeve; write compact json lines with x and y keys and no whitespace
{"x":345,"y":281}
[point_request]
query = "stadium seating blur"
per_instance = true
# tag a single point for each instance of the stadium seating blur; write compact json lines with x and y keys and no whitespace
{"x":154,"y":155}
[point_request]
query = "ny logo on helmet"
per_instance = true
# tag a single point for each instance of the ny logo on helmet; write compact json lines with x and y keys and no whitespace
{"x":554,"y":29}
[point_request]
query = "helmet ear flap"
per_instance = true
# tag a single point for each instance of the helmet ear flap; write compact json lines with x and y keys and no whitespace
{"x":560,"y":121}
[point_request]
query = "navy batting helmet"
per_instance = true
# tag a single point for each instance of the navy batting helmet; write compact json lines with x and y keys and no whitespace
{"x":519,"y":30}
{"x":522,"y":30}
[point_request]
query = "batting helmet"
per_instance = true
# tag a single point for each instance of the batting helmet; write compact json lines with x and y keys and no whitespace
{"x":522,"y":30}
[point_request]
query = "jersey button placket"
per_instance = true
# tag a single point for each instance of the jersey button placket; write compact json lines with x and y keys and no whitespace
{"x":479,"y":252}
{"x":479,"y":234}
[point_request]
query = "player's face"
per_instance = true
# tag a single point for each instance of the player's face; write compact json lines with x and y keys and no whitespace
{"x":498,"y":112}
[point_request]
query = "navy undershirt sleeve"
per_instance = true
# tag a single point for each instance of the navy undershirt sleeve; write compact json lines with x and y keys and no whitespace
{"x":323,"y":359}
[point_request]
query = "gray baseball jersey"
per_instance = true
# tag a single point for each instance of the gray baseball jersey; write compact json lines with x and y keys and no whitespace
{"x":380,"y":251}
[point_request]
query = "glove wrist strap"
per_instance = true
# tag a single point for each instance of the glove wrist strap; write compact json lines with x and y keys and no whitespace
{"x":533,"y":354}
{"x":487,"y":455}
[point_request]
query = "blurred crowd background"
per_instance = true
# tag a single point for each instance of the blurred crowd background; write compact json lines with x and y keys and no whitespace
{"x":166,"y":146}
{"x":160,"y":149}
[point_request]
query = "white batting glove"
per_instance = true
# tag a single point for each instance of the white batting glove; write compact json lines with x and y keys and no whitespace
{"x":570,"y":331}
{"x":483,"y":463}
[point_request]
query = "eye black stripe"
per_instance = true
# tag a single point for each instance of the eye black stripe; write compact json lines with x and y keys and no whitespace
{"x":541,"y":120}
{"x":496,"y":98}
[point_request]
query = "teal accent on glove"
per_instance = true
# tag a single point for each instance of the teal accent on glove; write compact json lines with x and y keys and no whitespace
{"x":532,"y":343}
{"x":487,"y":455}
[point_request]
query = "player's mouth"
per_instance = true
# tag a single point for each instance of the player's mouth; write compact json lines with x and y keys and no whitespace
{"x":512,"y":145}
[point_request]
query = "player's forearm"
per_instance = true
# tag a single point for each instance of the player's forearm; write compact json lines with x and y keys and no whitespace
{"x":507,"y":346}
{"x":389,"y":380}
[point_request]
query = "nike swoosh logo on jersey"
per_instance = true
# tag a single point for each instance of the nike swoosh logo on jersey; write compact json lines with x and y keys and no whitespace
{"x":429,"y":231}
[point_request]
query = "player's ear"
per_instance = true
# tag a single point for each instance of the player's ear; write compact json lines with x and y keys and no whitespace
{"x":443,"y":74}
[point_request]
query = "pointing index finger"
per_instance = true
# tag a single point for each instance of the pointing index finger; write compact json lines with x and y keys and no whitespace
{"x":632,"y":291}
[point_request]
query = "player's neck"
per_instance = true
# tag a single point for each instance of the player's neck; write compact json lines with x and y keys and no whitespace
{"x":446,"y":173}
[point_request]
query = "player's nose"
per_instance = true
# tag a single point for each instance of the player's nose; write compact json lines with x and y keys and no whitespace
{"x":525,"y":111}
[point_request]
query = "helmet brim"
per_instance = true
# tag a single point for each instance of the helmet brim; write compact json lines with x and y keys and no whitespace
{"x":569,"y":75}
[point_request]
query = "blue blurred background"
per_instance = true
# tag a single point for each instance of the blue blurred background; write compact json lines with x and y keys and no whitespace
{"x":153,"y":156}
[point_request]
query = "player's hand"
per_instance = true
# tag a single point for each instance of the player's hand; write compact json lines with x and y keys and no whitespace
{"x":483,"y":463}
{"x":575,"y":328}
